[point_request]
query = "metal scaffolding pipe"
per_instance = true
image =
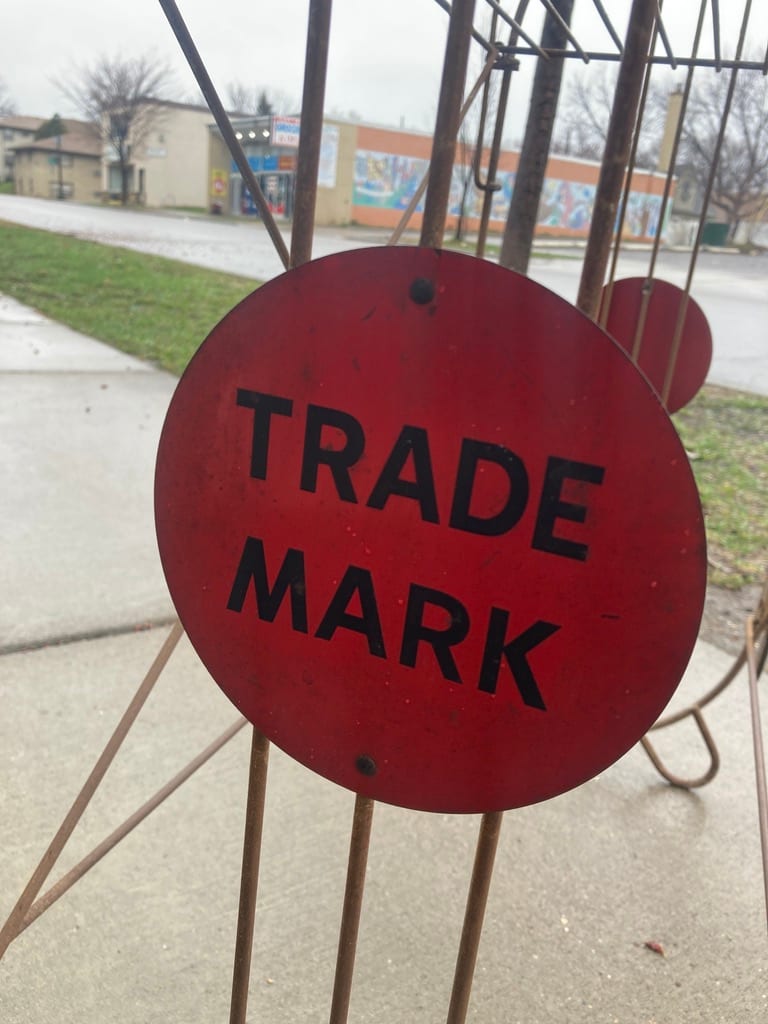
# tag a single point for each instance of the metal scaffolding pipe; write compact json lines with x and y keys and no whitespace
{"x":447,"y":123}
{"x":315,"y":70}
{"x":614,"y":165}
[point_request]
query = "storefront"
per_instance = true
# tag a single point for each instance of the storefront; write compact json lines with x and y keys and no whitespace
{"x":270,"y":145}
{"x":369,"y":175}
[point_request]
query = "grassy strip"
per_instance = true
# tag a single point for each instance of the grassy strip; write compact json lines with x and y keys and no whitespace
{"x":157,"y":309}
{"x":161,"y":310}
{"x":726,"y":433}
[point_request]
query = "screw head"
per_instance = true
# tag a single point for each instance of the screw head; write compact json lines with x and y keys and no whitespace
{"x":422,"y":291}
{"x":366,"y":765}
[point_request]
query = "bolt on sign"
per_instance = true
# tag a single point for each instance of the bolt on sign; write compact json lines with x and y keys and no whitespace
{"x":430,"y":529}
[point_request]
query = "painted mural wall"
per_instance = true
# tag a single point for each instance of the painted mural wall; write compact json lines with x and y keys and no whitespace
{"x":387,"y":181}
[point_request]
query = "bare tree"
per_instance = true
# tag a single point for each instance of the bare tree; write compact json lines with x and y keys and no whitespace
{"x":7,"y":106}
{"x":264,"y":106}
{"x":582,"y":120}
{"x":740,"y":182}
{"x":240,"y":98}
{"x":258,"y":101}
{"x":123,"y":98}
{"x":345,"y":115}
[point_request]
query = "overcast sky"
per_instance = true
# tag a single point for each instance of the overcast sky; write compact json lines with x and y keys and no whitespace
{"x":385,"y":57}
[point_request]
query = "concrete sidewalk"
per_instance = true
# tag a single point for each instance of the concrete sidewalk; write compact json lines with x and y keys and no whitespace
{"x":79,"y":426}
{"x":582,"y":882}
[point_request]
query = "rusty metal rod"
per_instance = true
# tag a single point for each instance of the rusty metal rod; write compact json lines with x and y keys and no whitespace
{"x":353,"y":901}
{"x":759,"y":753}
{"x":498,"y":132}
{"x":203,"y":79}
{"x":716,"y":690}
{"x":709,"y":742}
{"x":607,"y":293}
{"x":410,"y":209}
{"x":485,"y":43}
{"x":482,"y":871}
{"x":493,"y":163}
{"x":90,"y":860}
{"x":518,"y":28}
{"x":614,"y":163}
{"x":447,"y":123}
{"x":566,"y":29}
{"x":520,"y":226}
{"x":14,"y":924}
{"x":249,"y":878}
{"x":480,"y":143}
{"x":683,"y":308}
{"x":645,"y":302}
{"x":674,"y":349}
{"x":609,"y":25}
{"x":685,"y":62}
{"x":308,"y":160}
{"x":716,"y":32}
{"x":664,"y":37}
{"x":760,"y":655}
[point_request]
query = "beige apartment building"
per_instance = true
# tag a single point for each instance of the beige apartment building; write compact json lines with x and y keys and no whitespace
{"x":67,"y":166}
{"x":14,"y":131}
{"x":168,"y":160}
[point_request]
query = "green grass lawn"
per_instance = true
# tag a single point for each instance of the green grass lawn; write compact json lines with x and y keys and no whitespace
{"x":726,"y":434}
{"x":161,"y":310}
{"x":157,"y":309}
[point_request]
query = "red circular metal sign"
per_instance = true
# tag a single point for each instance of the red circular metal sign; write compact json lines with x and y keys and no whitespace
{"x":659,"y":304}
{"x":430,"y":530}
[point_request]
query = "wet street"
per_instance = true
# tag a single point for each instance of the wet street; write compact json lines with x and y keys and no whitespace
{"x":731,"y":289}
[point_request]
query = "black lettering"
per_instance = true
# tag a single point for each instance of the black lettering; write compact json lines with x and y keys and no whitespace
{"x":515,"y":652}
{"x":412,"y":441}
{"x":471,"y":453}
{"x":360,"y":581}
{"x":552,"y":507}
{"x":263,"y":407}
{"x":291,"y":575}
{"x":338,"y":461}
{"x":440,"y":640}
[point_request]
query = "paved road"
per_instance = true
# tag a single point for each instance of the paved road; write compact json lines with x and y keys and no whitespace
{"x":731,"y":289}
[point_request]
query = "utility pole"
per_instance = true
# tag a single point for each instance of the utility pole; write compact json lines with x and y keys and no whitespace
{"x":60,"y":194}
